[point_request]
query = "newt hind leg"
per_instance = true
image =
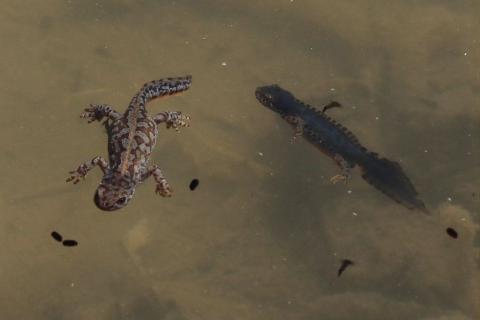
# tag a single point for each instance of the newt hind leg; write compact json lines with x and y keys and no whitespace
{"x":96,"y":112}
{"x":173,"y":119}
{"x":345,"y":167}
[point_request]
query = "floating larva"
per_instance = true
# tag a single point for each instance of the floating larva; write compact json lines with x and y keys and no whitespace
{"x":57,"y":236}
{"x":70,"y":243}
{"x":452,"y":233}
{"x":194,"y":184}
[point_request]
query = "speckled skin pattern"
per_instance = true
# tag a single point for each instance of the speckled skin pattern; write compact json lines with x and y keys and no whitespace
{"x":341,"y":145}
{"x":131,"y":139}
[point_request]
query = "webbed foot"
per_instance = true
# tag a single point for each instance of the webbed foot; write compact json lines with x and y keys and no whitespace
{"x":338,"y":178}
{"x":96,"y":112}
{"x":177,"y":120}
{"x":163,"y":189}
{"x":81,"y":172}
{"x":345,"y":166}
{"x":173,"y":119}
{"x":298,"y":124}
{"x":78,"y":174}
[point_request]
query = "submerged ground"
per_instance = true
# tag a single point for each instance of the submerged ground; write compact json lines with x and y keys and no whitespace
{"x":263,"y":235}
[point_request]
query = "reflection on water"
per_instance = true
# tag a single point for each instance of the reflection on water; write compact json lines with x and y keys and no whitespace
{"x":265,"y":233}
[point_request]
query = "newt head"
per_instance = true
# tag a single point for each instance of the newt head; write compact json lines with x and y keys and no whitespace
{"x":110,"y":197}
{"x":276,"y":99}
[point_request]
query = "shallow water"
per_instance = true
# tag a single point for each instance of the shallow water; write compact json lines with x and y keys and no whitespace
{"x":263,"y":235}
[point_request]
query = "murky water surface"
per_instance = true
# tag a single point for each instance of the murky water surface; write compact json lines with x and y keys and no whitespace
{"x":263,"y":235}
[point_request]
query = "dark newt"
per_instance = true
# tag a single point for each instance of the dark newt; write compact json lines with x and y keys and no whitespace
{"x":341,"y":145}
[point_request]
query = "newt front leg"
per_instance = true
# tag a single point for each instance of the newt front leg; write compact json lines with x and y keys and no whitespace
{"x":163,"y":188}
{"x":84,"y":168}
{"x":297,"y":124}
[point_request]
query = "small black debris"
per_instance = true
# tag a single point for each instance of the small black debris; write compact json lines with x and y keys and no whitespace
{"x":344,"y":265}
{"x":194,"y":184}
{"x":70,"y":243}
{"x":57,"y":236}
{"x":452,"y":233}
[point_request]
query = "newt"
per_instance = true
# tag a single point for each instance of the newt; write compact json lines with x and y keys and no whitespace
{"x":341,"y":145}
{"x":131,"y":139}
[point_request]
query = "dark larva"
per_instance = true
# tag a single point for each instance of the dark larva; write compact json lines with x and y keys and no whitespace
{"x":194,"y":184}
{"x":452,"y":233}
{"x":70,"y":243}
{"x":343,"y":266}
{"x":57,"y":236}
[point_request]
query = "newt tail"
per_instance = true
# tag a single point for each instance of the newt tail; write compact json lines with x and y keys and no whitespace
{"x":388,"y":177}
{"x":341,"y":145}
